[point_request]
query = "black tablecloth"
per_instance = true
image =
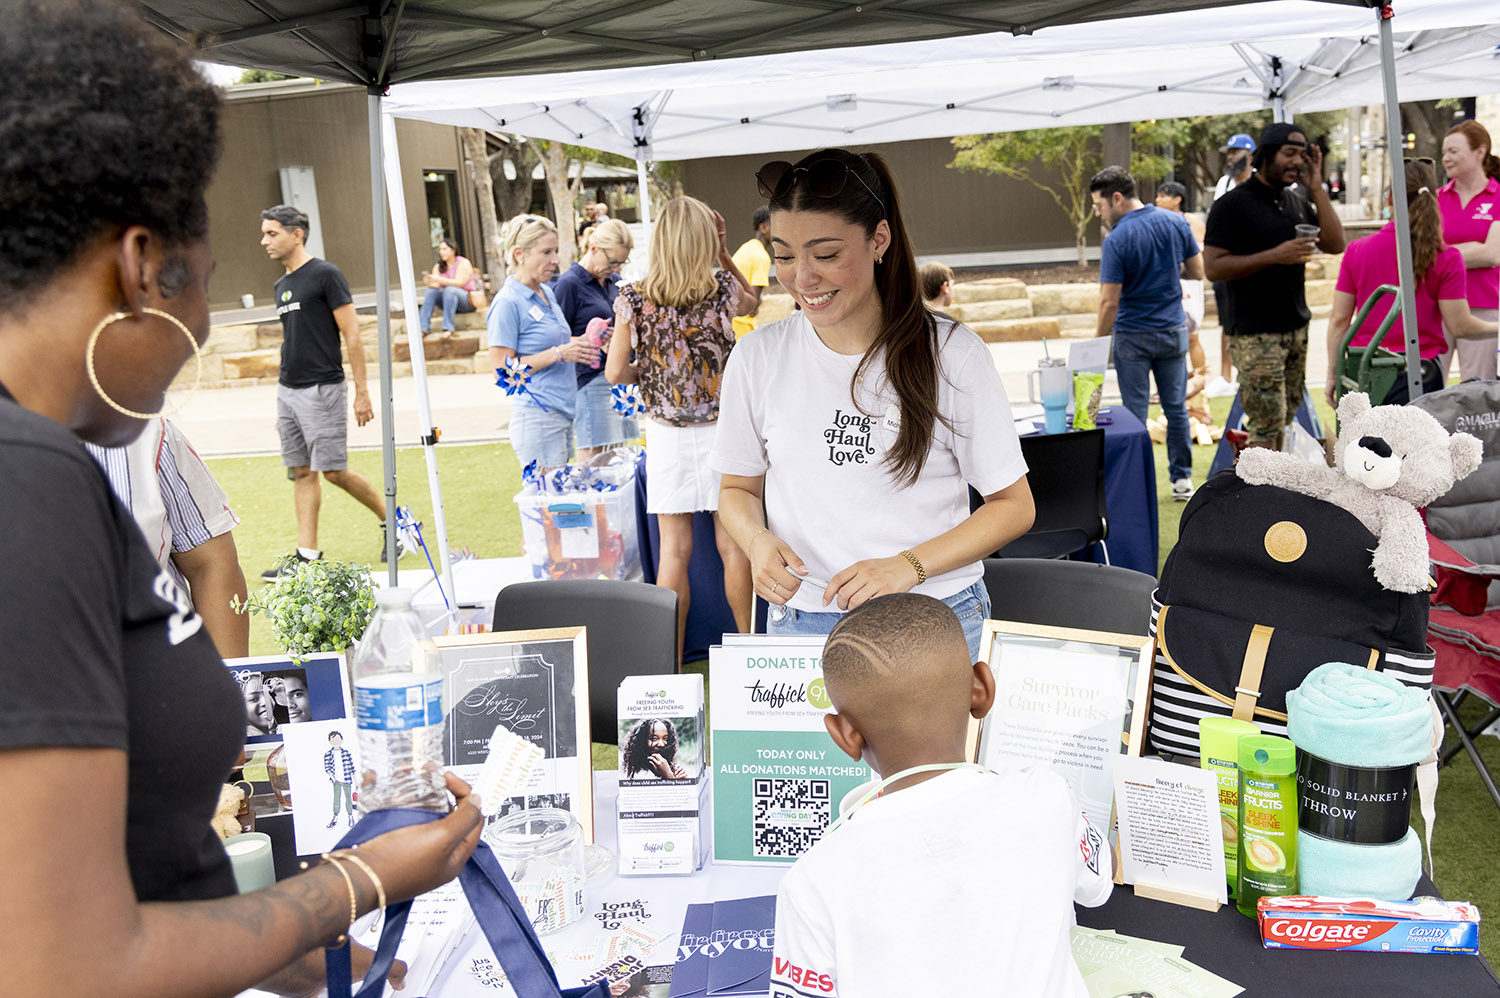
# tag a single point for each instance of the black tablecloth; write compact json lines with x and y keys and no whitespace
{"x":1228,"y":944}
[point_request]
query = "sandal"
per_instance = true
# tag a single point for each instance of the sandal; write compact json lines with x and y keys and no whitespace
{"x":446,"y":334}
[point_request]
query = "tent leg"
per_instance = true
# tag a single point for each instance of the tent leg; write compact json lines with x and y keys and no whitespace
{"x":1402,"y":216}
{"x":405,"y":265}
{"x":383,"y":325}
{"x":644,"y":192}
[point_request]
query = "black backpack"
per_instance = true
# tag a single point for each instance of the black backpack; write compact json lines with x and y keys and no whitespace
{"x":1264,"y":586}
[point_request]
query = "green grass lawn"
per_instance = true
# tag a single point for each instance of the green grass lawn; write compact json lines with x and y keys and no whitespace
{"x":480,"y":481}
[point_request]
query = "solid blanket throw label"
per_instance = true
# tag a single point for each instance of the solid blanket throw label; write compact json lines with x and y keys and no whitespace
{"x":1353,"y":803}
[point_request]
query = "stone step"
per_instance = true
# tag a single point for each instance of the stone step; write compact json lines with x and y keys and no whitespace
{"x":1073,"y":321}
{"x":1013,"y":330}
{"x":994,"y":289}
{"x":773,"y":307}
{"x":1060,"y":299}
{"x":980,"y":311}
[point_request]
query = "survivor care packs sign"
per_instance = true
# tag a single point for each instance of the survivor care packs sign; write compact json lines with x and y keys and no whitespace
{"x":778,"y":776}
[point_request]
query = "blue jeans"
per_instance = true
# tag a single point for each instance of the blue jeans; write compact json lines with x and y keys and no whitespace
{"x":543,"y":437}
{"x":453,"y":299}
{"x":1159,"y":353}
{"x":972,"y":606}
{"x":595,"y":421}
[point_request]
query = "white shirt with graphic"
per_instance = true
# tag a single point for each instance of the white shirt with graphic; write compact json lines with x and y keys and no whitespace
{"x":787,"y":413}
{"x":961,"y":885}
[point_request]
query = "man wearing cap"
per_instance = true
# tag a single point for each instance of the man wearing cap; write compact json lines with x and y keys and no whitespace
{"x":1252,"y":244}
{"x":1238,"y":151}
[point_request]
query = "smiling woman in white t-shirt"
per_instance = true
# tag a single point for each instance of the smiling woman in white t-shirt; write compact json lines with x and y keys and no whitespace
{"x":858,"y":423}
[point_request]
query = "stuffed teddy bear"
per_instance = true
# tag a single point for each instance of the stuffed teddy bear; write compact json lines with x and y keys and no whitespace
{"x":1391,"y":460}
{"x":226,"y":820}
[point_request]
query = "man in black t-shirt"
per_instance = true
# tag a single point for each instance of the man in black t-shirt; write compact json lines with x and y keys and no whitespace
{"x":1252,"y":243}
{"x":316,"y":310}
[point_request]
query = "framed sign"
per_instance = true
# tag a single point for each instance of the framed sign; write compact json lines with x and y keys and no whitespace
{"x":1072,"y":699}
{"x":536,"y":684}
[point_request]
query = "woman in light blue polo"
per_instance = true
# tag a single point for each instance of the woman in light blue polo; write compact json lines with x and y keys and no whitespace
{"x":524,"y":322}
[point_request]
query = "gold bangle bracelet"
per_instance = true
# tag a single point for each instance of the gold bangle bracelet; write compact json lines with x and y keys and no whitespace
{"x":921,"y":572}
{"x":379,"y":887}
{"x":343,"y":937}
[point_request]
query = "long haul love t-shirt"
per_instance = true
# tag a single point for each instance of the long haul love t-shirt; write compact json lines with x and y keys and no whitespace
{"x":787,"y":413}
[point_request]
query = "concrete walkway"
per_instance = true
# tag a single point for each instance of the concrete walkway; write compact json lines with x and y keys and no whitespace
{"x":468,"y":408}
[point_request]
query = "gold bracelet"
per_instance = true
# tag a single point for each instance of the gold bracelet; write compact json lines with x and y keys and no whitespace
{"x":921,"y":572}
{"x":343,"y":937}
{"x":379,"y":887}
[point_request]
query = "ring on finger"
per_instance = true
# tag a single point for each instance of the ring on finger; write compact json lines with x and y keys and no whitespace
{"x":774,"y":585}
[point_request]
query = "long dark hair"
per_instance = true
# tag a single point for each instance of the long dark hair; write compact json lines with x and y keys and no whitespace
{"x":908,"y":331}
{"x":636,"y":751}
{"x":1426,"y":226}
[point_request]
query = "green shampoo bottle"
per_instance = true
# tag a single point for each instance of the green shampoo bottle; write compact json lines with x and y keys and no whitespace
{"x":1267,"y":819}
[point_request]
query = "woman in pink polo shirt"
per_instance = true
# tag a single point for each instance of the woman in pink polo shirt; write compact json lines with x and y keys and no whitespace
{"x":1371,"y":262}
{"x":1470,"y":207}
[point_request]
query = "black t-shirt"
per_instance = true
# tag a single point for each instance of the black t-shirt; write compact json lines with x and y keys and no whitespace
{"x":1253,"y":217}
{"x":305,"y":300}
{"x":103,"y":650}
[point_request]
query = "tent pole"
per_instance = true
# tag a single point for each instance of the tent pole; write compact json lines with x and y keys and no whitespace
{"x":1394,"y":147}
{"x":395,"y":191}
{"x":644,"y":192}
{"x":383,"y":325}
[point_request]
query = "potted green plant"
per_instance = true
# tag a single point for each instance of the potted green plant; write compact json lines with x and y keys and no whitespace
{"x":316,"y":605}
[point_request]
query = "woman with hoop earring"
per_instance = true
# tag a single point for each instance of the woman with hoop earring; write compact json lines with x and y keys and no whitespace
{"x":111,"y":680}
{"x":850,"y":432}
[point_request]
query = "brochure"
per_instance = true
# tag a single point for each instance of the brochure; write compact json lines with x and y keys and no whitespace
{"x":741,"y":940}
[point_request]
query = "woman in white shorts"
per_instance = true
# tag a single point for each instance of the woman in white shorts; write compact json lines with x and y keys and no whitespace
{"x":678,"y":320}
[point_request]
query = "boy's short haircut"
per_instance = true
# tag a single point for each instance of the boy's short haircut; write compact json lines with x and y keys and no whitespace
{"x":934,"y":276}
{"x":881,"y":639}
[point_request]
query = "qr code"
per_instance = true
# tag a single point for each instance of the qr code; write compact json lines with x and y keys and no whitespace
{"x":788,"y":816}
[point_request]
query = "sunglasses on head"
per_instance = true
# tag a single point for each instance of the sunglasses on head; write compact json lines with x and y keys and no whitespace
{"x":826,"y":178}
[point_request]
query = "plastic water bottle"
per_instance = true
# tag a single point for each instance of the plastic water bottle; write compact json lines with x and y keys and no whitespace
{"x":398,"y":708}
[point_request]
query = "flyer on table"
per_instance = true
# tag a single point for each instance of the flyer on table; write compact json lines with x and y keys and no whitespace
{"x":778,"y":776}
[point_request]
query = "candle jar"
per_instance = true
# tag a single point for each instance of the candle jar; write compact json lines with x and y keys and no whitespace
{"x":541,"y":851}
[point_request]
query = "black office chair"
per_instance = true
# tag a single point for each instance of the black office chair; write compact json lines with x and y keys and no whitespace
{"x":1066,"y":475}
{"x":1062,"y":593}
{"x":632,"y":631}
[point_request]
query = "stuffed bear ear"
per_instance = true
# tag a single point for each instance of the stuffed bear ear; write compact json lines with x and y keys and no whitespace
{"x":1467,"y":452}
{"x":1352,"y":406}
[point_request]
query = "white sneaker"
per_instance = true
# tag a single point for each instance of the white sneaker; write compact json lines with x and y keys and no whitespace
{"x":1219,"y":388}
{"x":1182,"y":489}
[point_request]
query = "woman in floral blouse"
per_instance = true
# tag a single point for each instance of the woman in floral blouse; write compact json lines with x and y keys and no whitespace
{"x":678,"y":322}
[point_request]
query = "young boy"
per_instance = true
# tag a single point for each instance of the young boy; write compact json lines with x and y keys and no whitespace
{"x":937,"y":285}
{"x":951,"y":882}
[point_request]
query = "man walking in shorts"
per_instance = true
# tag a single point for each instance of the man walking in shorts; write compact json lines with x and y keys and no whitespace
{"x":316,"y":310}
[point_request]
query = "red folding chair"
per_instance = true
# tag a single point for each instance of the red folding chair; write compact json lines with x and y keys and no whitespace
{"x":1463,"y":539}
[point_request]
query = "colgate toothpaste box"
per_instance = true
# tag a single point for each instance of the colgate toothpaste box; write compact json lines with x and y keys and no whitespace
{"x":1424,"y":925}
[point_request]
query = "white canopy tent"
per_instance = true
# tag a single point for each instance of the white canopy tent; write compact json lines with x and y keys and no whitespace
{"x":654,"y":53}
{"x":1310,"y":56}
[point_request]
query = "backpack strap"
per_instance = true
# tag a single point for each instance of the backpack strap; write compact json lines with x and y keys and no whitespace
{"x":1247,"y":691}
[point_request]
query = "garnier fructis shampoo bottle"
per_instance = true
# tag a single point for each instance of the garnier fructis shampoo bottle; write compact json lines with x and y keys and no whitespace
{"x":1268,"y":820}
{"x":1219,"y":738}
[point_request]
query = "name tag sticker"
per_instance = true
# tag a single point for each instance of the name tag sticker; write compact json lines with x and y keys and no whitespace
{"x":536,"y":313}
{"x":892,"y":420}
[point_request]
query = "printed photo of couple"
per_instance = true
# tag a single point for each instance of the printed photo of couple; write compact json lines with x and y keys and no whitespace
{"x":278,"y":692}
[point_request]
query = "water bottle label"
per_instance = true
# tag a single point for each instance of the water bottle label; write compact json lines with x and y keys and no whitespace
{"x":416,"y":704}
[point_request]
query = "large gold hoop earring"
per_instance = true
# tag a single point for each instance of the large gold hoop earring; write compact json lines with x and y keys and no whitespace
{"x":88,"y":358}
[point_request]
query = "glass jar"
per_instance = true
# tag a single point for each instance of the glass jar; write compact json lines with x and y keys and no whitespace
{"x":541,"y":851}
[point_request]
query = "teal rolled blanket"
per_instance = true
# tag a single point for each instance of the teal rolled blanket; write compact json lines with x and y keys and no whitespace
{"x":1355,"y":717}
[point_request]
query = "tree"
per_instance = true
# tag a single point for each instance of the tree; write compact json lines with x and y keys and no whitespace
{"x":558,"y":162}
{"x":1062,"y":161}
{"x":262,"y":76}
{"x":513,"y":188}
{"x":473,"y":142}
{"x":1202,"y":136}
